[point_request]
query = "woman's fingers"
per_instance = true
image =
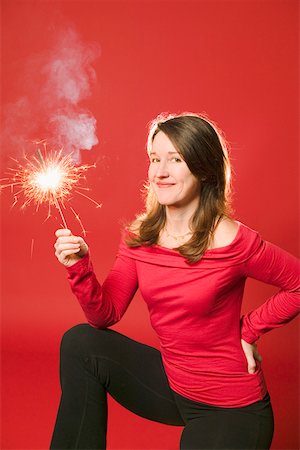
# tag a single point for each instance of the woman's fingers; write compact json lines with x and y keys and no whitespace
{"x":251,"y":354}
{"x":251,"y":363}
{"x":68,"y":239}
{"x":65,"y":237}
{"x":69,"y":248}
{"x":257,"y":356}
{"x":62,"y":255}
{"x":63,"y":232}
{"x":67,"y":257}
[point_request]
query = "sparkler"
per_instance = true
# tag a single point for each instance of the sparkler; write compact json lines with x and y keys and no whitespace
{"x":49,"y":177}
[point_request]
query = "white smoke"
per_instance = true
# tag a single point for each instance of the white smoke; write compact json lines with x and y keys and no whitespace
{"x":69,"y":70}
{"x":56,"y":82}
{"x":75,"y":132}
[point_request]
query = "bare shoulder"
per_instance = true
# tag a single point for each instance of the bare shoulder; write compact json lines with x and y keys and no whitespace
{"x":225,"y":233}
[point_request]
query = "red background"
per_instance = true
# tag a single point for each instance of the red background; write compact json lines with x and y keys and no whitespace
{"x":236,"y":61}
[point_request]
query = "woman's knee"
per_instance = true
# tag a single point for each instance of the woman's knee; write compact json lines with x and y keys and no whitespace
{"x":75,"y":333}
{"x":74,"y":338}
{"x":82,"y":336}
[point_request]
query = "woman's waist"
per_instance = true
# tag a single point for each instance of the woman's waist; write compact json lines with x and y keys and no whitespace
{"x":215,"y":386}
{"x":210,"y":359}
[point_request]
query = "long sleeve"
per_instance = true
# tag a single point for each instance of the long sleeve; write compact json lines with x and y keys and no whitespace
{"x":275,"y":266}
{"x":104,"y":305}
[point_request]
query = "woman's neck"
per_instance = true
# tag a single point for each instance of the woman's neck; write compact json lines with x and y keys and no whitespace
{"x":178,"y":219}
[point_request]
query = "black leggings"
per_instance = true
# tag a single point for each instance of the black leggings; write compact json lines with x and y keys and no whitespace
{"x":94,"y":362}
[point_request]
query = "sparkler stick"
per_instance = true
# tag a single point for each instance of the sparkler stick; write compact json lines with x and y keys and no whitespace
{"x":60,"y":212}
{"x":47,"y":178}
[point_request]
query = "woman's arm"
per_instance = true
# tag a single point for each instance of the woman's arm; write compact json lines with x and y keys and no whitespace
{"x":103,"y":305}
{"x":275,"y":266}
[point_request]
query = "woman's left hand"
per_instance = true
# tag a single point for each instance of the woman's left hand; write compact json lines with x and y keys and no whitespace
{"x":251,"y":354}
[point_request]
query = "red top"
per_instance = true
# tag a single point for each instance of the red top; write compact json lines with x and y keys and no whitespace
{"x":195,"y":309}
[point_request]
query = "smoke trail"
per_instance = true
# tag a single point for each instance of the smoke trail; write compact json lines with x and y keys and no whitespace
{"x":69,"y":69}
{"x":74,"y":130}
{"x":54,"y":85}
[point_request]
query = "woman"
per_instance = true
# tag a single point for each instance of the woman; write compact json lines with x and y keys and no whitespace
{"x":190,"y":260}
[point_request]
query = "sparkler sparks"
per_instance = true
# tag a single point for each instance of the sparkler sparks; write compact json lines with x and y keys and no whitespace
{"x":48,"y":178}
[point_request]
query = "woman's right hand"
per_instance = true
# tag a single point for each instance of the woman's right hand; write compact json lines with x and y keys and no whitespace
{"x":68,"y":248}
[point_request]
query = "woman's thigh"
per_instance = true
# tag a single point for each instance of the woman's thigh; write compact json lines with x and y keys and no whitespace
{"x":131,"y":372}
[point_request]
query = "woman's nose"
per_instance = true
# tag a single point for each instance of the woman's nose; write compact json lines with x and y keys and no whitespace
{"x":162,"y":170}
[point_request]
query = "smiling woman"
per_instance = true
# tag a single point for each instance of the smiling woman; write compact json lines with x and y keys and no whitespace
{"x":190,"y":260}
{"x":171,"y":179}
{"x":189,"y":186}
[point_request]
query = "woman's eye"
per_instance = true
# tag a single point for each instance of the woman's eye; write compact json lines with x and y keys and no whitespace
{"x":176,"y":159}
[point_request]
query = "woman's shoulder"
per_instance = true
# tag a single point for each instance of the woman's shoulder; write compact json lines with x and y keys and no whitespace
{"x":225,"y":232}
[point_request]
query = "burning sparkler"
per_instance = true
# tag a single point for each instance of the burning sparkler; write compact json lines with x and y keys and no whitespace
{"x":48,"y":178}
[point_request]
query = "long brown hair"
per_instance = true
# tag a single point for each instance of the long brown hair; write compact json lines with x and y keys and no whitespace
{"x":204,"y":149}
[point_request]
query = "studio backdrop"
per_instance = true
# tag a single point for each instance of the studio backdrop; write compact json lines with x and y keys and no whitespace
{"x":87,"y":76}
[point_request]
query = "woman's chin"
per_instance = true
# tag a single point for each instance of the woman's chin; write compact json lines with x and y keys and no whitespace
{"x":165,"y":201}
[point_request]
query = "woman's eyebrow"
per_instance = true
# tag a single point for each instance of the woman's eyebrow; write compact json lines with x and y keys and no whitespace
{"x":170,"y":153}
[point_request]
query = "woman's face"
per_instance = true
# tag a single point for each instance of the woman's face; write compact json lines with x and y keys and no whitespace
{"x":171,"y":179}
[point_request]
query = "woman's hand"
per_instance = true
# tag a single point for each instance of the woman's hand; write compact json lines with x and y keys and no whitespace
{"x":69,"y":248}
{"x":251,"y":354}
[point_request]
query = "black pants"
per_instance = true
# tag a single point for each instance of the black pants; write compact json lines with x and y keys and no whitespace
{"x":94,"y":362}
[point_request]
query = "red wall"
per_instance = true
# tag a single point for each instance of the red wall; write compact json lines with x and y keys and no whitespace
{"x":236,"y":61}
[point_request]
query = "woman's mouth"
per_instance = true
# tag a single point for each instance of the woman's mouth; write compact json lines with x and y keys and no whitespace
{"x":164,"y":185}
